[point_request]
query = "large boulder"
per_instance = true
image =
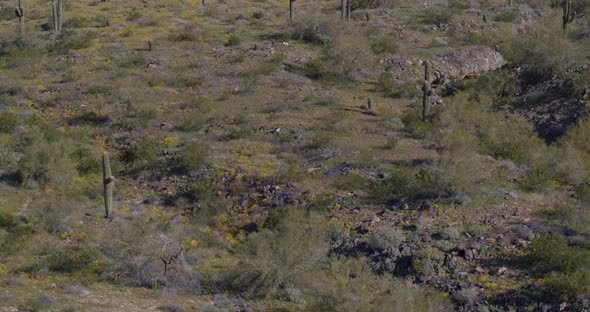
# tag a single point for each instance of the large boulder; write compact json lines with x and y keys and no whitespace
{"x":459,"y":63}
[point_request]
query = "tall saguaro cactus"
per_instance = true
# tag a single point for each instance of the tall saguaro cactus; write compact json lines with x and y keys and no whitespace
{"x":20,"y":13}
{"x":57,"y":15}
{"x":109,"y":185}
{"x":291,"y":10}
{"x":348,"y":9}
{"x":427,"y":91}
{"x":568,"y":15}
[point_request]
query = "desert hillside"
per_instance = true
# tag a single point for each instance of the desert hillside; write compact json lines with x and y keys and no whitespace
{"x":265,"y":155}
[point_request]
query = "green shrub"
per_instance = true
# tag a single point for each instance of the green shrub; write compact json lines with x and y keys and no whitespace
{"x":565,"y":287}
{"x":9,"y":122}
{"x":387,"y":239}
{"x":7,"y":13}
{"x":508,"y":16}
{"x":77,"y":22}
{"x":8,"y":159}
{"x":136,"y":60}
{"x":458,"y":5}
{"x":200,"y":190}
{"x":186,"y":82}
{"x":182,"y":36}
{"x":500,"y":135}
{"x":133,"y":14}
{"x":279,"y":258}
{"x":72,"y":41}
{"x":432,"y":16}
{"x":384,"y":44}
{"x":143,"y":153}
{"x":349,"y":285}
{"x":373,"y":4}
{"x":578,"y":135}
{"x":319,"y":29}
{"x":88,"y":159}
{"x":46,"y":158}
{"x":541,"y":49}
{"x":56,"y":212}
{"x":72,"y":258}
{"x":552,"y":253}
{"x":393,"y":89}
{"x":391,"y":143}
{"x":233,"y":40}
{"x":314,"y":68}
{"x":7,"y":220}
{"x":194,"y":155}
{"x":407,"y":184}
{"x":348,"y":57}
{"x":236,"y":132}
{"x":567,"y":265}
{"x":192,"y":121}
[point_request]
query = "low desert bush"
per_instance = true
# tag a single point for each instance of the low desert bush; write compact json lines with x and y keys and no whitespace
{"x":438,"y":16}
{"x":194,"y":155}
{"x":46,"y":158}
{"x":541,"y":49}
{"x":567,"y":265}
{"x":72,"y":258}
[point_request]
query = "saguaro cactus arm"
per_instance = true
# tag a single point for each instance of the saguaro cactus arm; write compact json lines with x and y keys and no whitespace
{"x":20,"y":9}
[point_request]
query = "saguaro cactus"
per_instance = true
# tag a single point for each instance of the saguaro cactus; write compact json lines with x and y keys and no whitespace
{"x":57,"y":15}
{"x":20,"y":13}
{"x":109,"y":185}
{"x":568,"y":15}
{"x":348,"y":9}
{"x":426,"y":90}
{"x":291,"y":10}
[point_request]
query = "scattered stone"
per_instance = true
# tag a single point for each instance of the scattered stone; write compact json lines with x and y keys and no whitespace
{"x":501,"y":270}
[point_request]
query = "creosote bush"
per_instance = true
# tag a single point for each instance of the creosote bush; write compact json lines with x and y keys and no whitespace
{"x":567,"y":265}
{"x":349,"y":57}
{"x":193,"y":155}
{"x":541,"y":49}
{"x":46,"y":158}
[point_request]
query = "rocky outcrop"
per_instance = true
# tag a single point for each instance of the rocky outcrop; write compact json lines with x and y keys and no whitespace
{"x":460,"y":63}
{"x":552,"y":106}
